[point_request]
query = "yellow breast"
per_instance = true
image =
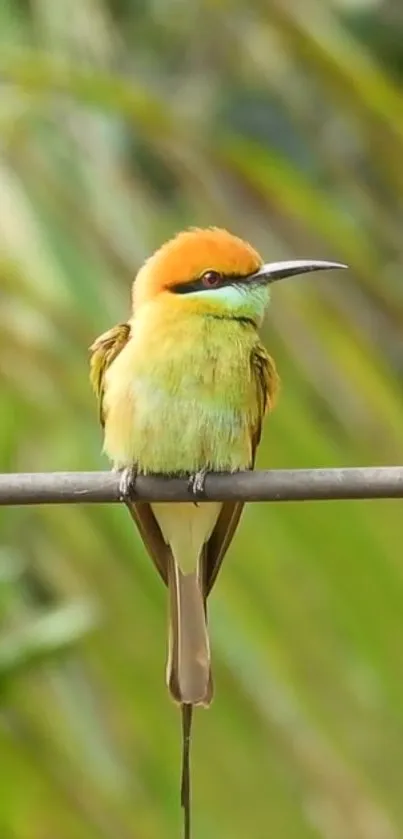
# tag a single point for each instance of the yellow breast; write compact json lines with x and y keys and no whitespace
{"x":181,"y":395}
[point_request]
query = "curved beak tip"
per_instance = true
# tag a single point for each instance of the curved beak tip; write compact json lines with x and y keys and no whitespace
{"x":272,"y":271}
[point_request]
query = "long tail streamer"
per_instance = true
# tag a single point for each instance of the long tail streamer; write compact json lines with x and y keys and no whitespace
{"x":187,"y":714}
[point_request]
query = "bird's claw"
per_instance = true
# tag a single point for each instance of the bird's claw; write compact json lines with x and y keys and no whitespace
{"x":197,"y":483}
{"x":127,"y":483}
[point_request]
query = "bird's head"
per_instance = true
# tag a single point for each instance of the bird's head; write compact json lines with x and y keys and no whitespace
{"x":215,"y":272}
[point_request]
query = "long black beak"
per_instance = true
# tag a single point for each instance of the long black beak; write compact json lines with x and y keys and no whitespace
{"x":273,"y":271}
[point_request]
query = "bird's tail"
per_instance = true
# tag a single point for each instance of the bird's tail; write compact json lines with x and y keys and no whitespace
{"x":188,"y":670}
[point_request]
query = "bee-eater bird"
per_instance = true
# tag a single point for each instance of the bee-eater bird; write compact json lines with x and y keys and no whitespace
{"x":183,"y":388}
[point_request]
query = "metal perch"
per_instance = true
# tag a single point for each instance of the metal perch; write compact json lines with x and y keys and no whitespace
{"x":272,"y":485}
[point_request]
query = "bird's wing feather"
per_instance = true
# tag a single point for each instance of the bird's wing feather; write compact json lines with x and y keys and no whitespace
{"x":103,"y":352}
{"x":265,"y":376}
{"x":219,"y":542}
{"x":150,"y":533}
{"x":267,"y":382}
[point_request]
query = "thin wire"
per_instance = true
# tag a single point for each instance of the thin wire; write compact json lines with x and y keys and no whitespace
{"x":275,"y":485}
{"x":187,"y":713}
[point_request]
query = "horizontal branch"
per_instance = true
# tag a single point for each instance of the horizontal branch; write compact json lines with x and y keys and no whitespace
{"x":275,"y":485}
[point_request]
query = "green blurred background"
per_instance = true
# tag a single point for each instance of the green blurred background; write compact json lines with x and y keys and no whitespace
{"x":121,"y":122}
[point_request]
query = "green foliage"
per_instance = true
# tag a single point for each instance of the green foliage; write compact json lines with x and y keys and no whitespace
{"x":121,"y":123}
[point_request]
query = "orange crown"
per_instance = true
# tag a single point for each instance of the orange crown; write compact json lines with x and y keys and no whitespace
{"x":184,"y":258}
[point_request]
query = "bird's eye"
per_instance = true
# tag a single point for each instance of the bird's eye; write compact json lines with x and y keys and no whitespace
{"x":211,"y":279}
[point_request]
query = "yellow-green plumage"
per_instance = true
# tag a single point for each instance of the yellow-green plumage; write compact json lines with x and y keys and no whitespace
{"x":186,"y":394}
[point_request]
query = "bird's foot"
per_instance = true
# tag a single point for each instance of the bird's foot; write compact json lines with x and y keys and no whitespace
{"x":196,"y":483}
{"x":127,"y":483}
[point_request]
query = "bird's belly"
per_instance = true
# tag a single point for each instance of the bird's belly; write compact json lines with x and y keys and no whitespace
{"x":170,"y":430}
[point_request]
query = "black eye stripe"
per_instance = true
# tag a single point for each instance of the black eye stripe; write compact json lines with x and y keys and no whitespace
{"x":198,"y":285}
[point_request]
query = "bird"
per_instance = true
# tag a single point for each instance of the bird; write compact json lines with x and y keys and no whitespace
{"x":183,"y":388}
